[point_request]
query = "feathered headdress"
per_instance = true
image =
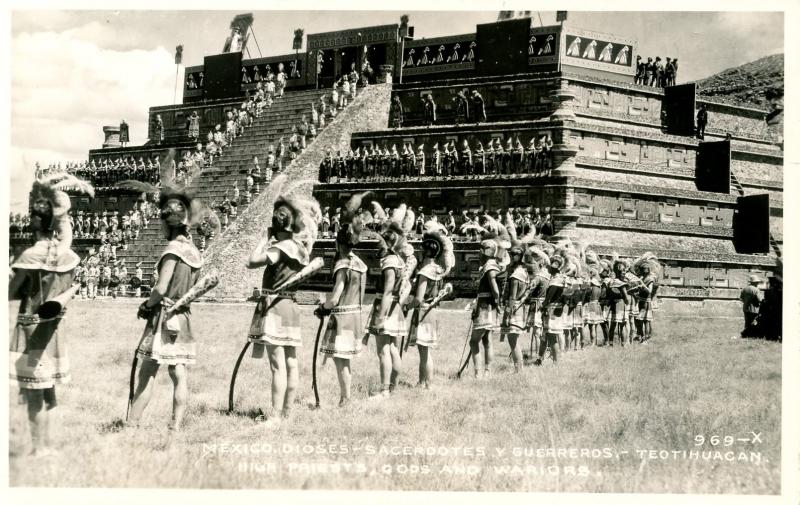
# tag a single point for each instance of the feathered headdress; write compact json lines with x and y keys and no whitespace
{"x":305,"y":209}
{"x":436,"y":239}
{"x":539,"y":256}
{"x":647,"y":259}
{"x":353,"y":221}
{"x":52,"y":189}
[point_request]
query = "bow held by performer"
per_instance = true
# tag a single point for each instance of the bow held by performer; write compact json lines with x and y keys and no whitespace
{"x":168,"y":338}
{"x":285,"y":251}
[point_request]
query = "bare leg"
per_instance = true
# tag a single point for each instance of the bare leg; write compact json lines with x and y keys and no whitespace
{"x":552,"y":342}
{"x":38,"y":420}
{"x":475,"y":350}
{"x":487,"y":349}
{"x":293,"y":379}
{"x":516,"y":351}
{"x":385,"y":360}
{"x":277,"y":365}
{"x":180,"y":396}
{"x":144,"y":390}
{"x":343,"y":373}
{"x":396,"y":362}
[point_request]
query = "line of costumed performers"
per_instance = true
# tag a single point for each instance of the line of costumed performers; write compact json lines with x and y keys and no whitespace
{"x":561,"y":294}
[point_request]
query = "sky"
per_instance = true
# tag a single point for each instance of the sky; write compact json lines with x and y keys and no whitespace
{"x":72,"y":72}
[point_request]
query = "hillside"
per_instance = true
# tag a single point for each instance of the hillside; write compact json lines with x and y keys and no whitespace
{"x":759,"y":83}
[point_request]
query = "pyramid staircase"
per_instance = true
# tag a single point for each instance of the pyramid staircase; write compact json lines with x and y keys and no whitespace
{"x":215,"y":181}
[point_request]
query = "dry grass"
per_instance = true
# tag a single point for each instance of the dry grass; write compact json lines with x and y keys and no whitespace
{"x":691,"y":380}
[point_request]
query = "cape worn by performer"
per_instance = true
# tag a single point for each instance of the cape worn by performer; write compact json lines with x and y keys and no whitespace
{"x":168,"y":338}
{"x":439,"y":259}
{"x":41,"y":279}
{"x":342,"y":339}
{"x":275,"y":326}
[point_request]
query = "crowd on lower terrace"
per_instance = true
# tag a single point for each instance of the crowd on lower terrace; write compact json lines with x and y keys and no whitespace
{"x":105,"y":172}
{"x":379,"y":163}
{"x":463,"y":224}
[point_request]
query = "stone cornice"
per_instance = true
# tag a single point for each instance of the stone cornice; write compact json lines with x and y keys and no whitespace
{"x":649,"y":226}
{"x":451,"y":128}
{"x":671,"y":254}
{"x":655,"y":123}
{"x":659,"y":92}
{"x":664,"y":170}
{"x":666,"y":138}
{"x":624,"y":166}
{"x":652,"y":190}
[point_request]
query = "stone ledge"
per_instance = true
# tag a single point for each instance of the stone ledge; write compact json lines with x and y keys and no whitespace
{"x":671,"y":254}
{"x":624,"y":166}
{"x":652,"y":190}
{"x":452,"y":128}
{"x":655,"y":123}
{"x":523,"y":78}
{"x":648,"y":226}
{"x":666,"y":138}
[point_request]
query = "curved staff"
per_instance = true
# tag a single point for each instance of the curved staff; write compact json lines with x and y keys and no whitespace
{"x":168,"y":338}
{"x":43,"y":273}
{"x":314,"y":359}
{"x":234,"y":374}
{"x":307,"y":271}
{"x":275,"y":326}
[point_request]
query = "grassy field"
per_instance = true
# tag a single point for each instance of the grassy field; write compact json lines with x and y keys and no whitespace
{"x":597,"y":409}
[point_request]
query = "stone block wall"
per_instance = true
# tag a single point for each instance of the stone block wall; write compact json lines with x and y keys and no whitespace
{"x":228,"y":254}
{"x":620,"y":103}
{"x":632,"y":150}
{"x":653,"y":208}
{"x":735,"y":120}
{"x":504,"y":100}
{"x":751,"y":169}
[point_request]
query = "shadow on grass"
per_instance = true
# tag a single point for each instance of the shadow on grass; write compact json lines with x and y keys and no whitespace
{"x":252,"y":413}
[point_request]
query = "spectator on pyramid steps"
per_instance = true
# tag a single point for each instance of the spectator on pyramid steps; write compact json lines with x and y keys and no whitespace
{"x":323,"y":111}
{"x":354,"y":78}
{"x":314,"y":115}
{"x":302,"y":131}
{"x":193,"y":126}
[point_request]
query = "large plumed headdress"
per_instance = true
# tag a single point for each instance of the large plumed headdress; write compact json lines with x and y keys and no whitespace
{"x":179,"y":206}
{"x":647,"y":259}
{"x":353,"y":221}
{"x":436,"y":240}
{"x":50,"y":203}
{"x":306,"y":214}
